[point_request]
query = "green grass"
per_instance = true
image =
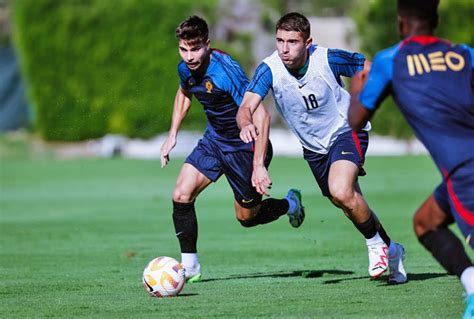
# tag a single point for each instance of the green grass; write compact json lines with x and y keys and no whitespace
{"x":75,"y":236}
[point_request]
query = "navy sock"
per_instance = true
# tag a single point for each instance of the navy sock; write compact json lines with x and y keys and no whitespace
{"x":270,"y":209}
{"x":447,"y":249}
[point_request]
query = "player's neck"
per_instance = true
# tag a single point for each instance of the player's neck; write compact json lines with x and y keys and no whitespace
{"x":417,"y":28}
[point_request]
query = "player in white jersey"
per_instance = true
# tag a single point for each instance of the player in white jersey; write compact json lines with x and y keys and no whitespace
{"x":306,"y":84}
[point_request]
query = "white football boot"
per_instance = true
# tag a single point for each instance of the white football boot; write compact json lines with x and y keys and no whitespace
{"x":378,"y":259}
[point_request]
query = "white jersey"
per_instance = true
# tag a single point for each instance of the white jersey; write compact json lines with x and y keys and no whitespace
{"x":315,"y":106}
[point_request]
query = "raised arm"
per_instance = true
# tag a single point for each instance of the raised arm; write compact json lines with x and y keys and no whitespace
{"x":182,"y":102}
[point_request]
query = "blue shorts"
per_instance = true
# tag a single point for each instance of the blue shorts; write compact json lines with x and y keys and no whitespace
{"x":455,"y":196}
{"x":350,"y":146}
{"x":209,"y":159}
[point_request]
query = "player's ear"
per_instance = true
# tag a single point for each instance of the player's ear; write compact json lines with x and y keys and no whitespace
{"x":400,"y":23}
{"x":309,"y":41}
{"x":208,"y":43}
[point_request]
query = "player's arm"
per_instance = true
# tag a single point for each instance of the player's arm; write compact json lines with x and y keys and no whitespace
{"x":345,"y":63}
{"x":182,"y":102}
{"x":248,"y":129}
{"x":358,"y":115}
{"x":369,"y":88}
{"x":260,"y":179}
{"x":258,"y":88}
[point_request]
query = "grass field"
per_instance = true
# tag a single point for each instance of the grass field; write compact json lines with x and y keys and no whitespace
{"x":75,"y":236}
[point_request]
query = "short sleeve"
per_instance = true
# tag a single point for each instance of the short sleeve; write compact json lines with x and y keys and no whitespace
{"x":262,"y":81}
{"x":345,"y":63}
{"x":379,"y":79}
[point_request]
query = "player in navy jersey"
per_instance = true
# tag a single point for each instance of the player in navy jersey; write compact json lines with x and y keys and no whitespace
{"x":219,"y":83}
{"x":431,"y":81}
{"x":306,"y":84}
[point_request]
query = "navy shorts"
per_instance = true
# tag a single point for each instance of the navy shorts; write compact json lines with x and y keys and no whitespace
{"x":350,"y":146}
{"x":455,"y":196}
{"x":237,"y":167}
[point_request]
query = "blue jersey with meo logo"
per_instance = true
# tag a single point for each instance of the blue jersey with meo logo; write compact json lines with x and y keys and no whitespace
{"x":220,"y":90}
{"x":431,"y":81}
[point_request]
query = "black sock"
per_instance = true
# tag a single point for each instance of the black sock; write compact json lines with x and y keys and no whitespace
{"x":447,"y":249}
{"x":371,"y":226}
{"x":185,"y":225}
{"x":270,"y":209}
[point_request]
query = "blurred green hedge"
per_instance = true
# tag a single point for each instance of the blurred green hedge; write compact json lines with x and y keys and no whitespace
{"x":102,"y":66}
{"x":377,"y":28}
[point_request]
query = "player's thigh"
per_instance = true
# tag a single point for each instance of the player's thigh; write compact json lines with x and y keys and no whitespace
{"x":342,"y":177}
{"x":189,"y":184}
{"x":347,"y":157}
{"x":201,"y":167}
{"x":238,"y":169}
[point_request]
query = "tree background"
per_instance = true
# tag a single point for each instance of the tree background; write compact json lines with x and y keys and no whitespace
{"x":95,"y":67}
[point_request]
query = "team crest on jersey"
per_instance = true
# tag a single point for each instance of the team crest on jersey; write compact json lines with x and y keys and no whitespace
{"x":209,"y":86}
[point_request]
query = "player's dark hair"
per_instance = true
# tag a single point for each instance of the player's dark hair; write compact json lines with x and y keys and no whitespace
{"x":422,"y":10}
{"x":194,"y":30}
{"x":294,"y":21}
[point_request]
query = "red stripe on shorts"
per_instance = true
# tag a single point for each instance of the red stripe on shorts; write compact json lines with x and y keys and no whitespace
{"x":357,"y":144}
{"x":465,"y":213}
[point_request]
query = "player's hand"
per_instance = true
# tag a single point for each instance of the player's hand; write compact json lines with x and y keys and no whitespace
{"x":359,"y":79}
{"x":249,"y":133}
{"x":165,"y":150}
{"x":260,"y":180}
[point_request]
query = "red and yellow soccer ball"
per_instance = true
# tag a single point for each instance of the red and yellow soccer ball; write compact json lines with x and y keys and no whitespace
{"x":163,"y":277}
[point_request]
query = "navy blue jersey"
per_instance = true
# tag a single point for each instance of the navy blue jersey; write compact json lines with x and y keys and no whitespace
{"x":431,"y":81}
{"x":342,"y":63}
{"x":220,"y":91}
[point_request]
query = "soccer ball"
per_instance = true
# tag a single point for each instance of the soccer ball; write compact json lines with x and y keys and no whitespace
{"x":163,"y":277}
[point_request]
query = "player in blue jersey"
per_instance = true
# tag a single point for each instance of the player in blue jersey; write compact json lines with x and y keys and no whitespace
{"x":431,"y":81}
{"x":219,"y":83}
{"x":306,"y":83}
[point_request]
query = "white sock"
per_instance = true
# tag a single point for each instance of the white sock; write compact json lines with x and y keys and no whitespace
{"x":374,"y":240}
{"x":467,"y":280}
{"x":189,"y":260}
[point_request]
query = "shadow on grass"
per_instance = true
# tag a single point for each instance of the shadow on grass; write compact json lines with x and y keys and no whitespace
{"x":383,"y":279}
{"x":187,"y":295}
{"x":285,"y":274}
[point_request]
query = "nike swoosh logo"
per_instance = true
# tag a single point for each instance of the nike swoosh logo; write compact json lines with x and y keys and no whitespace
{"x":301,"y":86}
{"x":246,"y":201}
{"x":346,"y":153}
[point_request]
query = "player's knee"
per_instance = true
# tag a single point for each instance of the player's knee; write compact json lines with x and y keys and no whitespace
{"x":247,"y":222}
{"x":343,"y":197}
{"x":421,"y":224}
{"x":182,"y":197}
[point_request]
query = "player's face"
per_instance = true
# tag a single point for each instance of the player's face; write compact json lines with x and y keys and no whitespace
{"x":194,"y":54}
{"x":292,"y":48}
